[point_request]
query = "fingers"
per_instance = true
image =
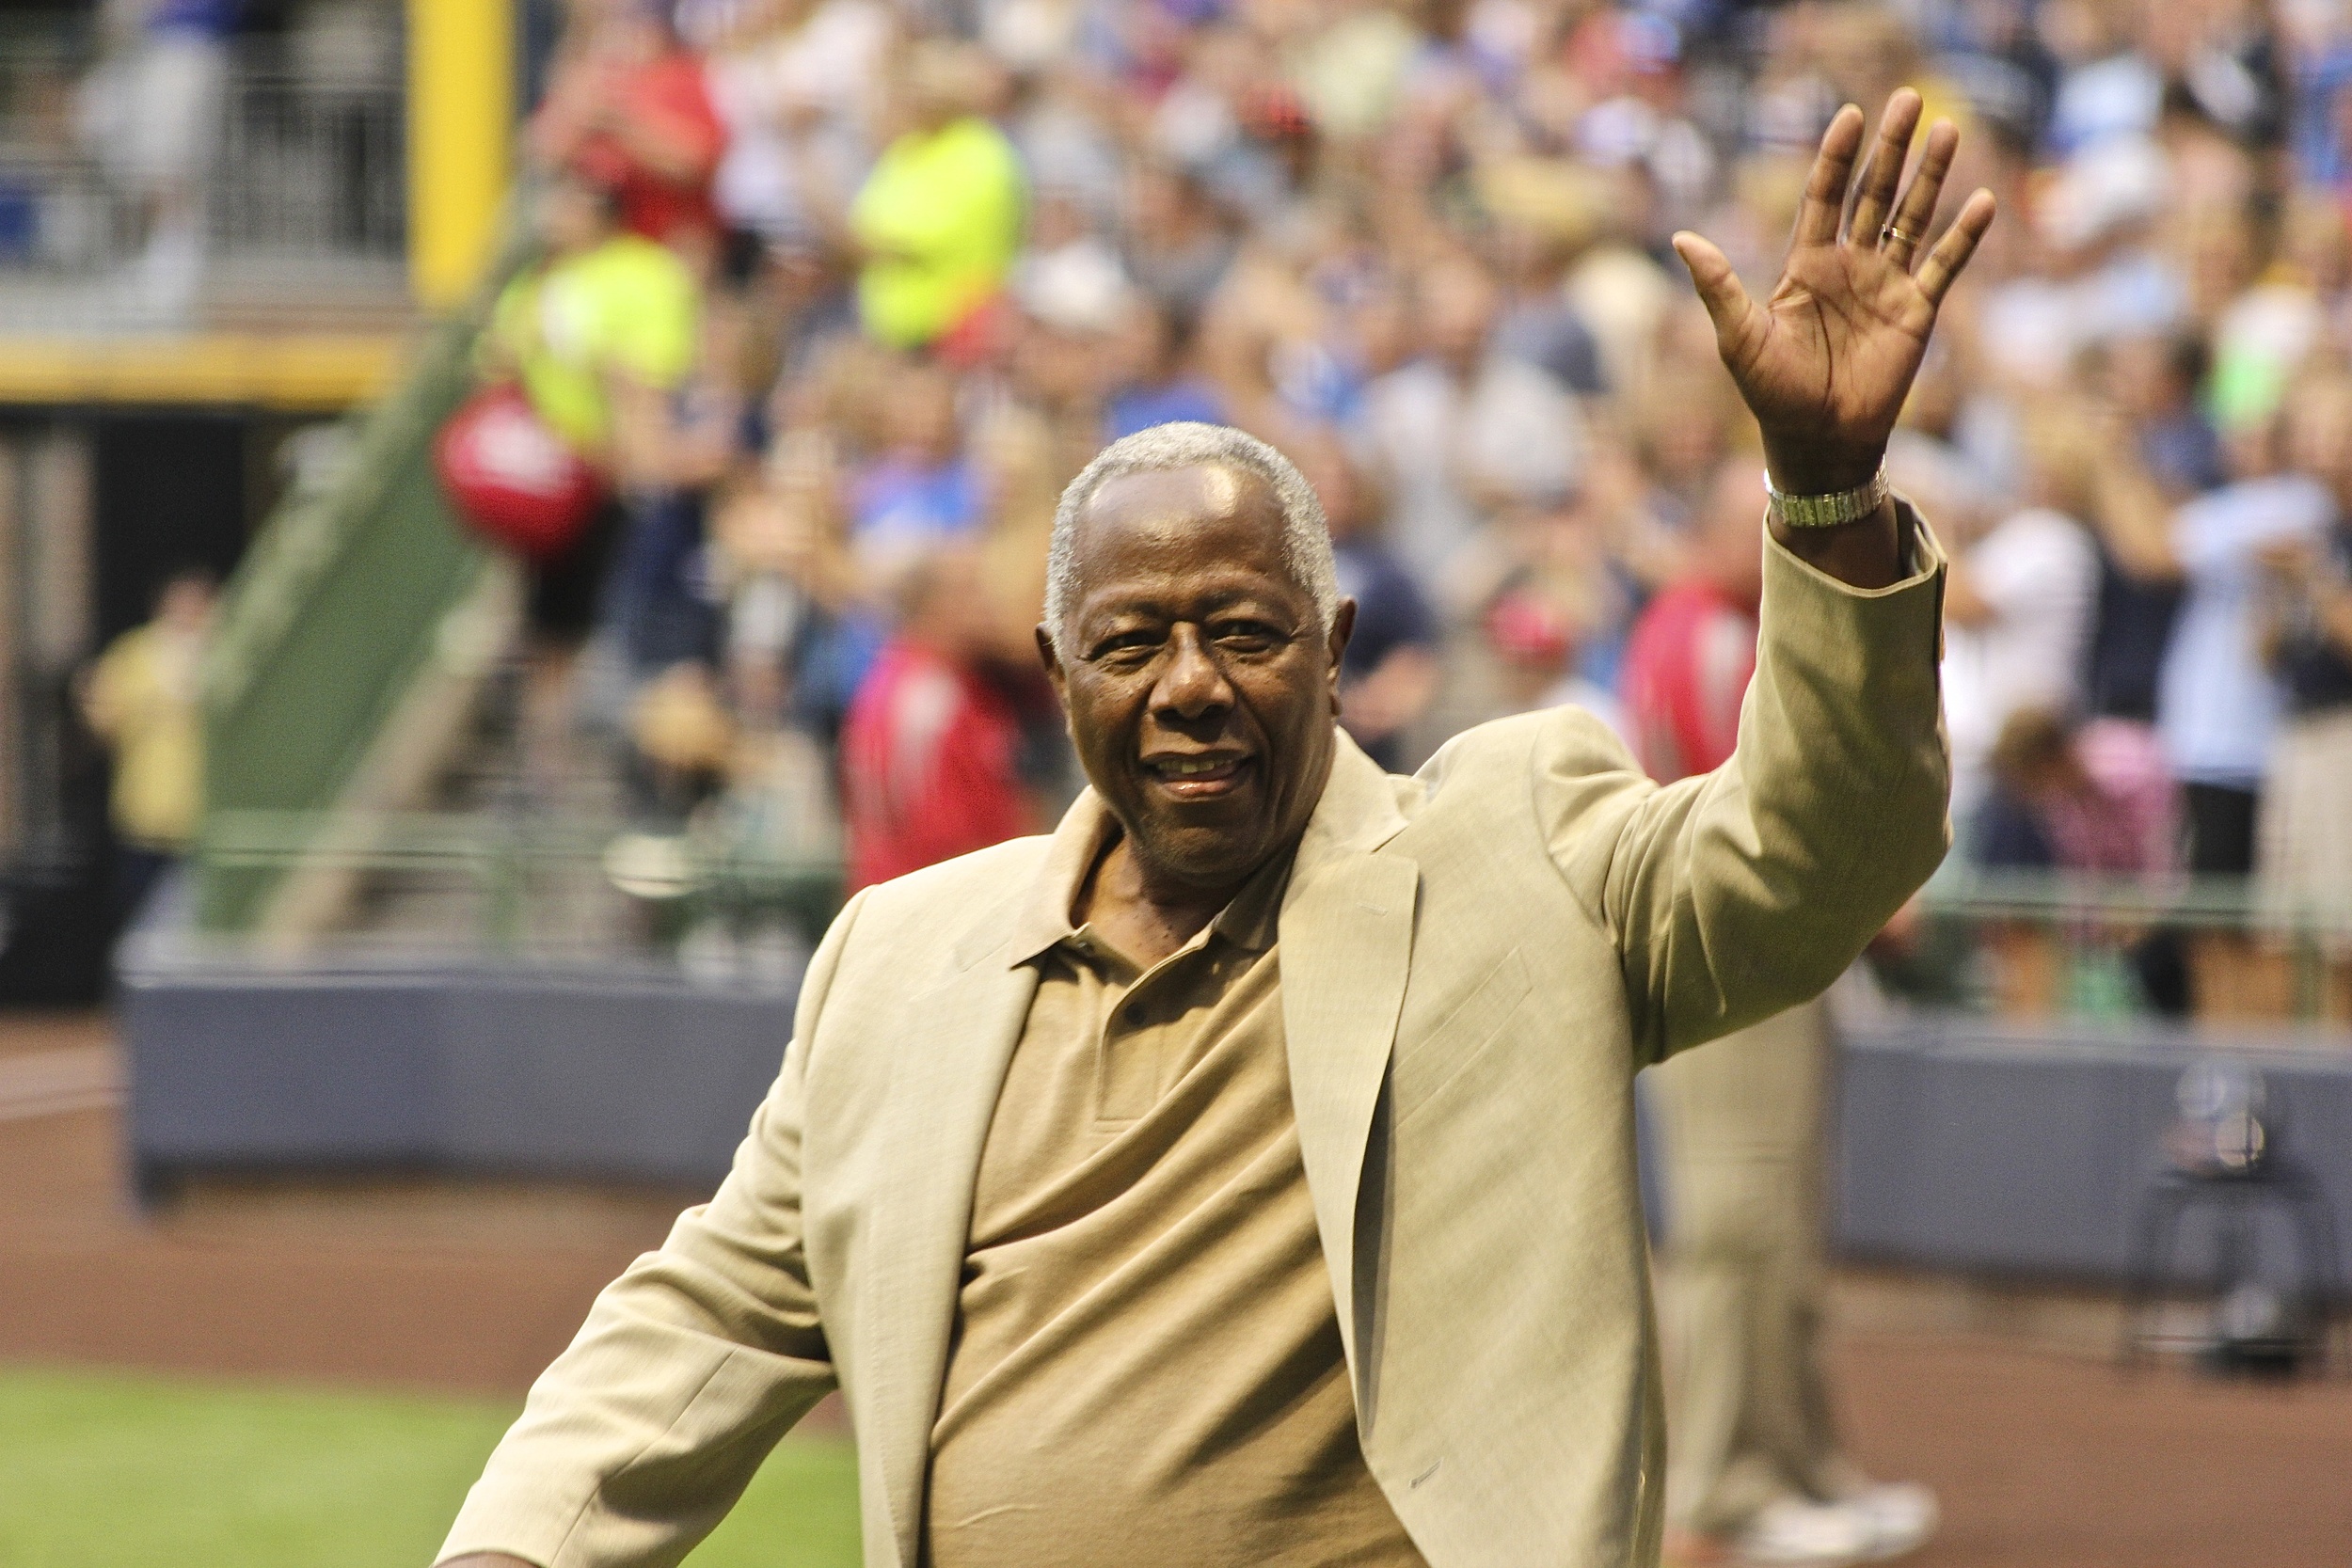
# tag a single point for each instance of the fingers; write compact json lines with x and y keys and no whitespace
{"x":1824,"y":202}
{"x":1897,"y":121}
{"x":1951,"y":252}
{"x":1916,"y":213}
{"x":1727,"y":302}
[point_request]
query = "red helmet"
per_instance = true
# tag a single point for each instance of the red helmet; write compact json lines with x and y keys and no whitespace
{"x":511,"y":478}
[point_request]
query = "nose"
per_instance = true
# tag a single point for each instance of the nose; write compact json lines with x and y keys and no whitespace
{"x":1190,"y":682}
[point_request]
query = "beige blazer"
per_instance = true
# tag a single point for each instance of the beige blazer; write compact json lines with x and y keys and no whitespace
{"x":1476,"y":963}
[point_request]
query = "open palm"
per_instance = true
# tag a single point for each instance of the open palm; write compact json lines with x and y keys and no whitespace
{"x":1826,"y":362}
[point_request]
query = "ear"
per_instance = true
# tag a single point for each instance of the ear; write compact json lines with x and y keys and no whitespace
{"x":1052,"y":666}
{"x":1335,"y":647}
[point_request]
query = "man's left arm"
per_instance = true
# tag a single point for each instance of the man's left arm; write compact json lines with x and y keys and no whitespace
{"x":1739,"y":893}
{"x":640,"y":1436}
{"x":1735,"y":894}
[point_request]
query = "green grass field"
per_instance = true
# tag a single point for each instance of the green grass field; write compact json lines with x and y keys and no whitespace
{"x":106,"y":1470}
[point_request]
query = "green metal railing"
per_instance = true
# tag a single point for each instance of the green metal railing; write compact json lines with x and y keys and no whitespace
{"x":2094,"y":919}
{"x":2195,"y":903}
{"x":508,"y":886}
{"x":346,"y":601}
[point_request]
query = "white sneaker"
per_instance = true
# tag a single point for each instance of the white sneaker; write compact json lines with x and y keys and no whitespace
{"x":1821,"y":1535}
{"x":1902,"y":1512}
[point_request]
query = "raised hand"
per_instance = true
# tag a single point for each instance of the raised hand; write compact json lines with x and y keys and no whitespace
{"x":1826,"y":362}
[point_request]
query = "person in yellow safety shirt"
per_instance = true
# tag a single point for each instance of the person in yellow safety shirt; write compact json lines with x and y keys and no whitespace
{"x":141,"y":699}
{"x":938,"y":220}
{"x":605,"y":306}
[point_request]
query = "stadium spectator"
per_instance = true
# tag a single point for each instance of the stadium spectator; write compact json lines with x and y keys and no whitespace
{"x":2085,"y":796}
{"x":1755,"y":1472}
{"x":2077,"y":796}
{"x":919,"y":490}
{"x":629,"y":107}
{"x":606,"y":308}
{"x":1391,"y":670}
{"x":1545,"y":212}
{"x":1688,"y":661}
{"x":152,"y":110}
{"x":2153,"y":379}
{"x":1159,"y":383}
{"x":2218,"y":706}
{"x":2017,"y":606}
{"x":2304,"y":848}
{"x":1534,"y":646}
{"x":140,"y":698}
{"x":605,"y":317}
{"x":937,"y":222}
{"x":797,"y":84}
{"x":929,"y":756}
{"x":1179,"y":241}
{"x":1465,"y":426}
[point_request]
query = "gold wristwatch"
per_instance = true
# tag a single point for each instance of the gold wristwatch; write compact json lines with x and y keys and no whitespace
{"x":1834,"y":510}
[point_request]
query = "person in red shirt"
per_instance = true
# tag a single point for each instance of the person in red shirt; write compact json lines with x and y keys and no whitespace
{"x":1692,"y":649}
{"x":1755,"y":1472}
{"x":931,"y":752}
{"x":629,"y":108}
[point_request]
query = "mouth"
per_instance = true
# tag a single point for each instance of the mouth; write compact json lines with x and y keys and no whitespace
{"x":1199,"y":775}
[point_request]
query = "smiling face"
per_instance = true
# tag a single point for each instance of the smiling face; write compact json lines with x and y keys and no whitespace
{"x":1201,"y":686}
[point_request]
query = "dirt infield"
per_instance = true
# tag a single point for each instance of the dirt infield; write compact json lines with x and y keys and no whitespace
{"x":2043,"y":1460}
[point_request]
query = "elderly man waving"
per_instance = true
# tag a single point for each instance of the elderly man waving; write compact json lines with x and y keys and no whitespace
{"x":1244,"y":1173}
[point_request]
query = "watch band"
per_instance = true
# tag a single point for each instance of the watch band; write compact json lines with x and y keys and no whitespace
{"x":1834,"y":510}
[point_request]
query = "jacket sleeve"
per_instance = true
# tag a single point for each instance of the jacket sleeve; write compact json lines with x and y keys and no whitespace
{"x":1736,"y":894}
{"x":636,"y":1441}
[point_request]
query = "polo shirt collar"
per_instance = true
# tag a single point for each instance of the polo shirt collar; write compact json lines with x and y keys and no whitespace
{"x":1084,"y":833}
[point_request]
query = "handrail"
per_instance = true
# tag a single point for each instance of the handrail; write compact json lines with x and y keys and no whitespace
{"x":2070,"y":897}
{"x":343,"y":606}
{"x":526,"y":871}
{"x":397,"y":840}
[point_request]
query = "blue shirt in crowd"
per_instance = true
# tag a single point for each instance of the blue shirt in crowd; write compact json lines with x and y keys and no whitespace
{"x":2217,"y":704}
{"x":1188,"y":399}
{"x":900,"y":504}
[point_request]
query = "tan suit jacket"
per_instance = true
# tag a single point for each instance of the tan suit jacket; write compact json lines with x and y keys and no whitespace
{"x":1474,"y":963}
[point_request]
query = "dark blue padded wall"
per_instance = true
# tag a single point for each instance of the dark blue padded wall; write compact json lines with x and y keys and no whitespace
{"x":1961,"y":1144}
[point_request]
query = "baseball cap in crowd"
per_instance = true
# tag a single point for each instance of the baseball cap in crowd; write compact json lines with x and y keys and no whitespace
{"x":2108,"y":186}
{"x":1078,"y":288}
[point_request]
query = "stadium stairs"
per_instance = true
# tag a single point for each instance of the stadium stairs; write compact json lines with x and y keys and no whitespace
{"x":353,"y":644}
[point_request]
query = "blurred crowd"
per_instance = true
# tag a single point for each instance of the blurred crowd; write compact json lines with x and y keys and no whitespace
{"x":839,"y":294}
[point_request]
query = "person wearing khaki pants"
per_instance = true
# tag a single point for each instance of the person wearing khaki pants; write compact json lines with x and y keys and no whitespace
{"x":1753,"y":1468}
{"x":1739,"y":1123}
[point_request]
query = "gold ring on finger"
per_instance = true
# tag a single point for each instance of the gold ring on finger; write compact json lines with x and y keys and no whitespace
{"x":1891,"y":233}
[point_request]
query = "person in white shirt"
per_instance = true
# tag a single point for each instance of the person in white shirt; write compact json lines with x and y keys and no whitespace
{"x":1465,"y":426}
{"x":2017,"y":612}
{"x":798,"y":86}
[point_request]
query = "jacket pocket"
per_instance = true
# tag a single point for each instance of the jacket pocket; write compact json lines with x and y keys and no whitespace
{"x":1425,"y":1066}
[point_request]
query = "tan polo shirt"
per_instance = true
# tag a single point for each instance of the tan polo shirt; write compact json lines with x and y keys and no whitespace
{"x":1146,"y":1368}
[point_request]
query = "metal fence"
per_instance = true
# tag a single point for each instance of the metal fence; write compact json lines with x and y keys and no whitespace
{"x":308,"y":166}
{"x":734,"y":893}
{"x":311,"y":166}
{"x":2086,"y":945}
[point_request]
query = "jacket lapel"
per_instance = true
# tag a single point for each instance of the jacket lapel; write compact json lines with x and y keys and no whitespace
{"x":1346,"y":943}
{"x":942,"y":1095}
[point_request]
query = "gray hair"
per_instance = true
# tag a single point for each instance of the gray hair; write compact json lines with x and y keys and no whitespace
{"x":1306,"y":537}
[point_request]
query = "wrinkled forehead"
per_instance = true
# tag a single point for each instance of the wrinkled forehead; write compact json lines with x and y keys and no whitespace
{"x":1194,"y":494}
{"x":1162,"y":523}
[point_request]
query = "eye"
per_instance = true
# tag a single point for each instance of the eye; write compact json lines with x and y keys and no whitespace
{"x":1242,"y":636}
{"x":1126,"y":650}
